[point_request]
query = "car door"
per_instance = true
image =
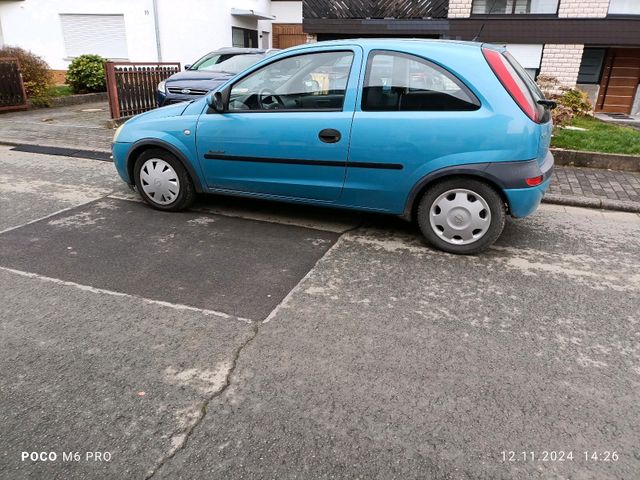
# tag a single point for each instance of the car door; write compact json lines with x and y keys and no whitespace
{"x":285,"y":130}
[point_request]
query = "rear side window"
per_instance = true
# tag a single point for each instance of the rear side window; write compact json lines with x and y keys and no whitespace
{"x":400,"y":82}
{"x":532,"y":86}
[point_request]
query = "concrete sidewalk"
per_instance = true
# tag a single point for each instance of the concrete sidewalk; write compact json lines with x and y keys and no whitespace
{"x":595,"y":188}
{"x":86,"y":127}
{"x":83,"y":126}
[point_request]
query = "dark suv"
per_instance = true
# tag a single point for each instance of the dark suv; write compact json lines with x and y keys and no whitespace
{"x":206,"y":74}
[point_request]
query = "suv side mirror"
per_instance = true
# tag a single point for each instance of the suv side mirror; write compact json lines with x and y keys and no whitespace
{"x":187,"y":67}
{"x":216,"y":101}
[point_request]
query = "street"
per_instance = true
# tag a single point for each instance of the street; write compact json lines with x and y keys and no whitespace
{"x":247,"y":339}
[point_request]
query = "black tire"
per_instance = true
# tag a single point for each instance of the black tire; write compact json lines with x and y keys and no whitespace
{"x":488,"y":193}
{"x":186,"y":194}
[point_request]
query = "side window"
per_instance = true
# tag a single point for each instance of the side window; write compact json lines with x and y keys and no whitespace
{"x":401,"y":82}
{"x":314,"y":81}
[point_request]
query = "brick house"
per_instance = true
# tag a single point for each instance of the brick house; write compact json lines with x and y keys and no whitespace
{"x":594,"y":44}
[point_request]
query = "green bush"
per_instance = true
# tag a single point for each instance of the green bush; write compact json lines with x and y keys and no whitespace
{"x":571,"y":101}
{"x":36,"y":74}
{"x":86,"y":74}
{"x":578,"y":101}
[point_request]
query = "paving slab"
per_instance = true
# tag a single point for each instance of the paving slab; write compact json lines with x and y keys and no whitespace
{"x":85,"y":371}
{"x":231,"y":265}
{"x":391,"y":360}
{"x":33,"y":186}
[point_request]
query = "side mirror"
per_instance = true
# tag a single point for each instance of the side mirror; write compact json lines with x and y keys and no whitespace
{"x":216,"y":101}
{"x":187,"y":67}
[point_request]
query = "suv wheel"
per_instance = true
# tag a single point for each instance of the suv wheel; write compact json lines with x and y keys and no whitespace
{"x":463,"y":216}
{"x":162,"y":181}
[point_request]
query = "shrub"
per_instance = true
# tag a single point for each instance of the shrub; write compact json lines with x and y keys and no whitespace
{"x":571,"y":101}
{"x":578,"y":101}
{"x":86,"y":74}
{"x":36,"y":74}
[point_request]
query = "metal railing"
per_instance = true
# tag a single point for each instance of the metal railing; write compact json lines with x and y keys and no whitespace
{"x":346,"y":9}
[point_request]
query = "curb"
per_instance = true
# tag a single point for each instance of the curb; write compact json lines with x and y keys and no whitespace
{"x":590,"y":202}
{"x":608,"y":161}
{"x":79,"y":99}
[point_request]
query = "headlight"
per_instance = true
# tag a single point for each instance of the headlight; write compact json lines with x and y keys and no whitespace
{"x":161,"y":87}
{"x":118,"y":130}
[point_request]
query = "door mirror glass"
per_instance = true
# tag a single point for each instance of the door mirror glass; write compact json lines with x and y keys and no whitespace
{"x":216,"y":101}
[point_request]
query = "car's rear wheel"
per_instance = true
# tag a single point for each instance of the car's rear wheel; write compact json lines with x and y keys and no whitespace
{"x":162,"y":181}
{"x":461,"y":215}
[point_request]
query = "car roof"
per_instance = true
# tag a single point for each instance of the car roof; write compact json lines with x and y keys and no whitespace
{"x":402,"y":43}
{"x":237,"y":50}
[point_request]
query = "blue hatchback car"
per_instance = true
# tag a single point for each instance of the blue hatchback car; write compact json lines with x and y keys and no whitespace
{"x":453,"y":135}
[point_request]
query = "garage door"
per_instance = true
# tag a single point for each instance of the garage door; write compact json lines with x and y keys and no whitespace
{"x":99,"y":34}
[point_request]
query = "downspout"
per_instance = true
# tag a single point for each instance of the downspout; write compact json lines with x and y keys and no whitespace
{"x":156,"y":24}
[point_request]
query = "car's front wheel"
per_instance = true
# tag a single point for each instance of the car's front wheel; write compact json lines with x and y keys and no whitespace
{"x":162,"y":180}
{"x":461,"y":215}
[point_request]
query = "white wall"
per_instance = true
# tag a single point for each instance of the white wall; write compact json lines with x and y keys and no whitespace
{"x":200,"y":26}
{"x":35,"y":25}
{"x":287,"y":12}
{"x":188,"y":28}
{"x":527,"y":55}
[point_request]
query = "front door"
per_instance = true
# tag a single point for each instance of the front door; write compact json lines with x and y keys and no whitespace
{"x":619,"y":83}
{"x":286,"y":129}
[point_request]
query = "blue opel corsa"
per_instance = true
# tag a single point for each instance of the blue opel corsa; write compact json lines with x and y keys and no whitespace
{"x":454,"y":135}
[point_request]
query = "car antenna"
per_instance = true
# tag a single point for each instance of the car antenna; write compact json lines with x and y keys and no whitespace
{"x":493,"y":4}
{"x":478,"y":34}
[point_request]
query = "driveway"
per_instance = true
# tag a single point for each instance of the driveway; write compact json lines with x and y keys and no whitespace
{"x":250,"y":339}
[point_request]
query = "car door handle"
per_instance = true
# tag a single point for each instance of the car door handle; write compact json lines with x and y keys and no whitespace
{"x":329,"y":135}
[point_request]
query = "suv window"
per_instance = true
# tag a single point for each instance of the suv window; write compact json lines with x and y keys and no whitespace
{"x":401,"y":82}
{"x":314,"y":81}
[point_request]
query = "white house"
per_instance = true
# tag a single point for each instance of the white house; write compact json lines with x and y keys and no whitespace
{"x":140,"y":30}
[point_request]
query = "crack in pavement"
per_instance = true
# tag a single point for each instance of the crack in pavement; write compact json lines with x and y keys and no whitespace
{"x":186,"y":434}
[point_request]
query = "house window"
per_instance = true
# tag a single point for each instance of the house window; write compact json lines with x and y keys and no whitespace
{"x":514,"y":7}
{"x":624,"y":7}
{"x":243,"y":37}
{"x":103,"y":35}
{"x":591,"y":65}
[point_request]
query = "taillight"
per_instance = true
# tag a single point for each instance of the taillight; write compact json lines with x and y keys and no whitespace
{"x":534,"y":181}
{"x":512,"y":82}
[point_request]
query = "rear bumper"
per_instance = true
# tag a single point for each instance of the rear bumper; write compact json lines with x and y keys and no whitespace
{"x":525,"y":201}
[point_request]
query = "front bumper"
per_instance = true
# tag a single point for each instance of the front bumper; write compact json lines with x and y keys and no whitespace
{"x":163,"y":99}
{"x":120,"y":152}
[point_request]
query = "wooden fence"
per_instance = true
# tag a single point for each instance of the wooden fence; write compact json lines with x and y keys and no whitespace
{"x":132,"y":86}
{"x":12,"y":94}
{"x":375,"y":9}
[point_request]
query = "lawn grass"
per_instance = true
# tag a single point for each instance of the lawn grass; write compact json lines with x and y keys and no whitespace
{"x":60,"y":91}
{"x":599,"y":137}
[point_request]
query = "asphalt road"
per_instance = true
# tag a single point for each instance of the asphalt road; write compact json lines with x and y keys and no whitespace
{"x":255,"y":340}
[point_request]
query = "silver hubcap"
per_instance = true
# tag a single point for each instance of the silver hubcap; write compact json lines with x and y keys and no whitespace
{"x":460,"y":216}
{"x":159,"y":181}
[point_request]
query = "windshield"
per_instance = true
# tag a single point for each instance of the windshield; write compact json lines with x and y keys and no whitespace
{"x":226,"y":62}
